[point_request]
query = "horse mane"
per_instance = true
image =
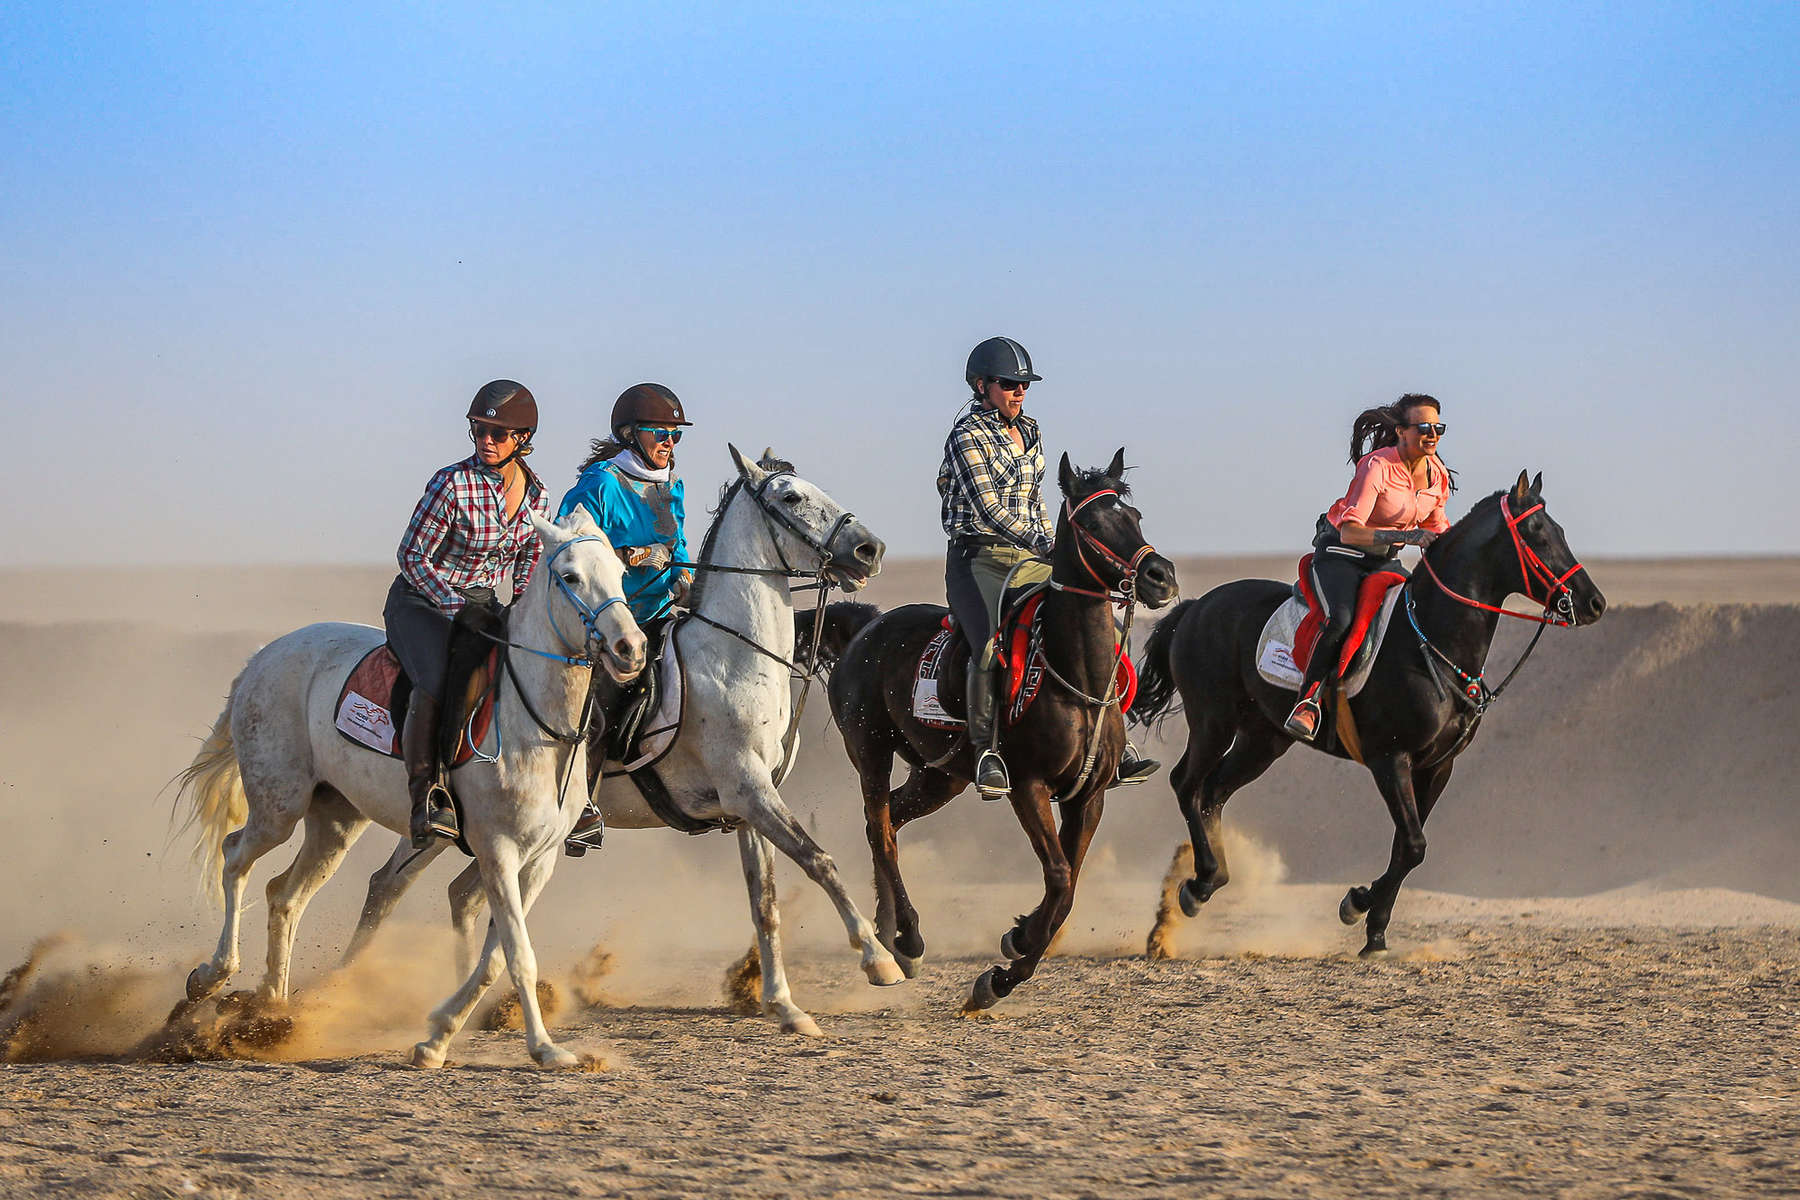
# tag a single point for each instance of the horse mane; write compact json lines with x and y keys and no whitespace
{"x":1092,"y":479}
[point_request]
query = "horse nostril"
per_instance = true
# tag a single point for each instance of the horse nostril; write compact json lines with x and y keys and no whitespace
{"x":624,"y":649}
{"x":1597,"y":604}
{"x":866,"y":552}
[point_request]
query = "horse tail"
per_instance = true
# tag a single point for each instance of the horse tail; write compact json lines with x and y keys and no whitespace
{"x":1156,"y":681}
{"x":214,"y":788}
{"x":843,"y":621}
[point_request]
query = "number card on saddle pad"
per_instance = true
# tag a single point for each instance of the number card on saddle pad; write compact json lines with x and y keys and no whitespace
{"x":1286,"y":643}
{"x":365,"y":705}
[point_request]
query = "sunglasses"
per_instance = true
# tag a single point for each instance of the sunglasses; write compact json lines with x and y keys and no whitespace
{"x":659,"y":434}
{"x":493,"y":433}
{"x":1431,"y":428}
{"x":1010,"y":385}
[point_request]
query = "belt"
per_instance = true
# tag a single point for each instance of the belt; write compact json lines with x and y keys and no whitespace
{"x":974,"y":541}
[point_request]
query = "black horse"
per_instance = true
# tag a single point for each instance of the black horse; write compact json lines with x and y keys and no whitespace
{"x":1418,"y":710}
{"x":1064,"y":749}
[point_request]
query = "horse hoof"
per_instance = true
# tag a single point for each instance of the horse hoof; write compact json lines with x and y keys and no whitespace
{"x":1350,"y":911}
{"x":909,"y":966}
{"x":799,"y":1023}
{"x":425,"y":1058}
{"x":200,"y":983}
{"x":555,"y":1058}
{"x":884,"y":972}
{"x":1009,"y":946}
{"x":982,"y":996}
{"x":1188,"y":895}
{"x":1373,"y":950}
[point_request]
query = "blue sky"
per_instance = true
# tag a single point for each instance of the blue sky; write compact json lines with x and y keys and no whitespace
{"x":255,"y":259}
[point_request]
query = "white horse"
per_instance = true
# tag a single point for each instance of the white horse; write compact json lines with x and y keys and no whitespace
{"x":737,"y":646}
{"x":275,"y":758}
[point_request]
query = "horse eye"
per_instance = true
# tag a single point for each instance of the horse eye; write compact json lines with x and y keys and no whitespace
{"x":791,"y":498}
{"x":571,"y":577}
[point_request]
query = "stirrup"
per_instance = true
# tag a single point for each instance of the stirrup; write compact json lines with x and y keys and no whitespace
{"x":1298,"y":725}
{"x":988,"y":766}
{"x":1134,"y":769}
{"x":435,"y":818}
{"x":588,"y":834}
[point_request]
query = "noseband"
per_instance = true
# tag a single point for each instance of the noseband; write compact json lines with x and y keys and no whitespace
{"x":1532,"y":569}
{"x":1126,"y":569}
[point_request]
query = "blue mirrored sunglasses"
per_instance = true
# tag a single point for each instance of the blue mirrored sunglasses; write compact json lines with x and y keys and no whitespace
{"x":659,"y":434}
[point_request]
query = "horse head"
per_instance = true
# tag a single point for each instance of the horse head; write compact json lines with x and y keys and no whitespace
{"x":811,"y":530}
{"x":1107,"y":533}
{"x":584,"y":590}
{"x":1517,"y":546}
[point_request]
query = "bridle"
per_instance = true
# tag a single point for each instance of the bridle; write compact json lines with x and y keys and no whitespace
{"x":1532,"y":569}
{"x":1121,"y":592}
{"x":1473,"y":689}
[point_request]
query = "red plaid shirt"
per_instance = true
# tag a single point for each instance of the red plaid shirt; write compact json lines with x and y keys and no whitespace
{"x":459,"y":536}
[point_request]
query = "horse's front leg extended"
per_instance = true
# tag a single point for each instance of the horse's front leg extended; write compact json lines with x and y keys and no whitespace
{"x":1394,"y":776}
{"x":759,"y":877}
{"x":756,"y":802}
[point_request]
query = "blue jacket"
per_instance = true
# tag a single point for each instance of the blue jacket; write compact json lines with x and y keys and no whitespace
{"x":618,"y":505}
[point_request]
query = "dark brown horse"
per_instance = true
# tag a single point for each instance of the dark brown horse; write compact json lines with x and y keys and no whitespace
{"x":1419,"y":709}
{"x":1064,"y":749}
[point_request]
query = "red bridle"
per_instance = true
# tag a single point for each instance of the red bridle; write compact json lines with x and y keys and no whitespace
{"x":1127,"y":569}
{"x":1532,"y":569}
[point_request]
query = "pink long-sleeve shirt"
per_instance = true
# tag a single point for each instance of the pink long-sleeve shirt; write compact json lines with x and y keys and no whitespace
{"x":1382,"y":495}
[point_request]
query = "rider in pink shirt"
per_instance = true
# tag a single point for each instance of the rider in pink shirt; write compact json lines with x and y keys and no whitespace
{"x":1395,"y":499}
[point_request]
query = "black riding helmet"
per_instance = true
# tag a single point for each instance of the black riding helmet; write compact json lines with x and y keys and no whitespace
{"x":1000,"y":358}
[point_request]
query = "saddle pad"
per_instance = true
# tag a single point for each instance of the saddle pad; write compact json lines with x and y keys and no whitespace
{"x":662,"y":726}
{"x":926,"y":708}
{"x":1275,"y":645}
{"x":365,"y":706}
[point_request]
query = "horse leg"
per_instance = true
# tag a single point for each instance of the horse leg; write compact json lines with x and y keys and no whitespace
{"x":274,"y":811}
{"x":1027,"y":940}
{"x":332,"y":827}
{"x":386,"y":887}
{"x":757,"y":802}
{"x":925,"y":791}
{"x":467,"y":898}
{"x":873,"y":770}
{"x":1209,"y":737}
{"x":759,"y":877}
{"x":1253,"y":750}
{"x":511,"y":891}
{"x":1394,"y":776}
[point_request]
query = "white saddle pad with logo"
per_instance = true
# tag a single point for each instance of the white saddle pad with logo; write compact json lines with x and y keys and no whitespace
{"x":1275,"y":645}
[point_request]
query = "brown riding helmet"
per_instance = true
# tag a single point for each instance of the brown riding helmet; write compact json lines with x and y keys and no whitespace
{"x":646,"y":404}
{"x":506,"y":404}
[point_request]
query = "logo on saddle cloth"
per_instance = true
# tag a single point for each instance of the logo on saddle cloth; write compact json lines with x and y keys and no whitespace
{"x":1024,"y":645}
{"x":365,"y":706}
{"x":1286,"y":643}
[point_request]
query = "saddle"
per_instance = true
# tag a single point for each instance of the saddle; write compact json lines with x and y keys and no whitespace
{"x":371,"y":705}
{"x":1020,"y":653}
{"x":1285,"y":646}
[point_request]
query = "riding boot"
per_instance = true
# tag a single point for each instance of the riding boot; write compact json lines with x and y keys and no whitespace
{"x":1133,"y":767}
{"x":990,"y":769}
{"x":1303,"y":722}
{"x":588,"y":833}
{"x":432,"y":813}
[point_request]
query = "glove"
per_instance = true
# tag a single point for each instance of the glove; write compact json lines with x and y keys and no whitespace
{"x":656,"y":556}
{"x":684,"y":583}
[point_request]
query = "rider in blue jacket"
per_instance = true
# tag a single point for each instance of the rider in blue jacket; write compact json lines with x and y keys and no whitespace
{"x":628,"y":486}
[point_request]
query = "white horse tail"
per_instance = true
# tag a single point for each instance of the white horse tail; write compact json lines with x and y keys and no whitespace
{"x":214,"y":789}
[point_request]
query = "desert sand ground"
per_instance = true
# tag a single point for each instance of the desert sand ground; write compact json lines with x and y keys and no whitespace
{"x":1594,"y":989}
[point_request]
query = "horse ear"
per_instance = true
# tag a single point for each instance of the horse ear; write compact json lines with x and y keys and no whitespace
{"x":1521,"y":489}
{"x":579,"y":522}
{"x":751,"y":473}
{"x":549,"y":532}
{"x":1065,"y":474}
{"x":1116,"y":468}
{"x":1537,"y":484}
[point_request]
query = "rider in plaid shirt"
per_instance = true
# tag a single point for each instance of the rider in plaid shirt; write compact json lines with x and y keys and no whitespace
{"x":472,"y":526}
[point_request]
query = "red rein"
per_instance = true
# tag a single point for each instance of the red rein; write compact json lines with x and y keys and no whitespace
{"x":1531,"y":569}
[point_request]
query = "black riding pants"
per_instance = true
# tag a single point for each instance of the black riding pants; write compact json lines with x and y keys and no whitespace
{"x":1337,"y":574}
{"x":419,"y":632}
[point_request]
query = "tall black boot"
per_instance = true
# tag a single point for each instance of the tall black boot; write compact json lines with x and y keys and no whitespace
{"x":980,"y":690}
{"x":432,"y":813}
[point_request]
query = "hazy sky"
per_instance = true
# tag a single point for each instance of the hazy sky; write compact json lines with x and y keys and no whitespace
{"x":255,"y":259}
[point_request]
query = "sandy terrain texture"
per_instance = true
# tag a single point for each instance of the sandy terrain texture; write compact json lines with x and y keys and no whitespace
{"x":1595,"y":988}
